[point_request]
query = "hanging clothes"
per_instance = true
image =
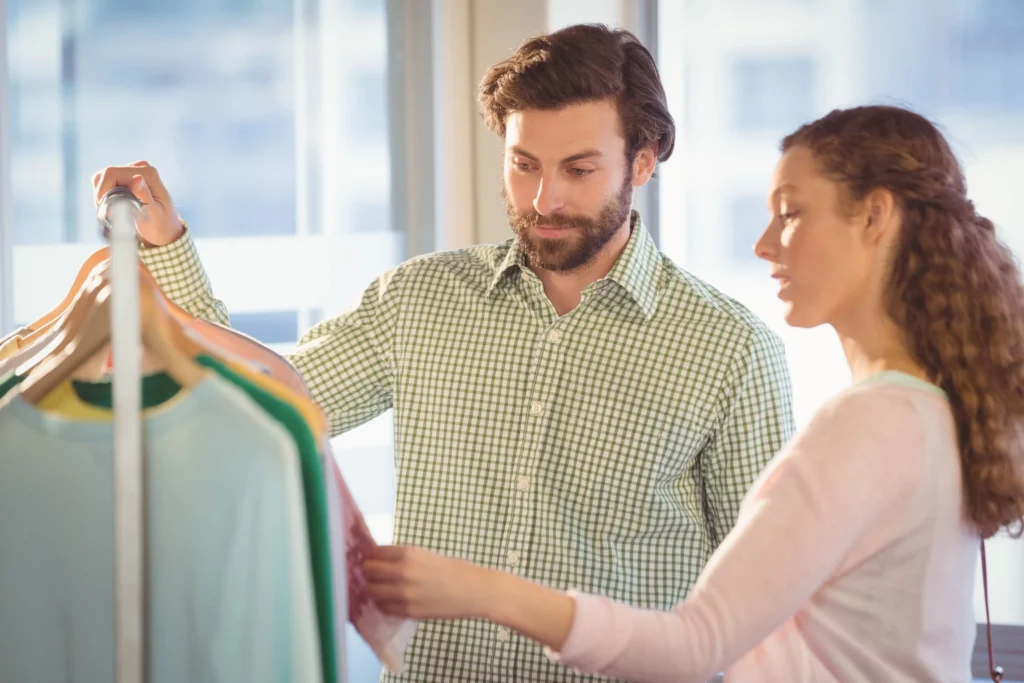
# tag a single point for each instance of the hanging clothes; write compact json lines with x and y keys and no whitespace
{"x":229,"y":576}
{"x":74,"y":398}
{"x":278,"y":395}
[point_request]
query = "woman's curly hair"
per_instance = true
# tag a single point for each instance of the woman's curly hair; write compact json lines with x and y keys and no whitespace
{"x":955,"y":290}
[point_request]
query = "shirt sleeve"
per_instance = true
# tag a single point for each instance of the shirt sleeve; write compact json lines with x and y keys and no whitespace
{"x":756,"y":423}
{"x":834,"y":483}
{"x":348,"y":361}
{"x":180,"y":274}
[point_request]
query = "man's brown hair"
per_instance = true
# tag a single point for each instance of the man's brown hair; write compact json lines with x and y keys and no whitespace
{"x":578,"y":64}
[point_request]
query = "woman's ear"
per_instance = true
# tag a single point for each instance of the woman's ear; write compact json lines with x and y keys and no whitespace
{"x":880,"y":210}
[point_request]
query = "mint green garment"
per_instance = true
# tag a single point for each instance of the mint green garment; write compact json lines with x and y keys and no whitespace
{"x":229,"y":577}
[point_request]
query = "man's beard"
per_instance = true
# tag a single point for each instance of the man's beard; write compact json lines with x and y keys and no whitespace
{"x":585,"y":238}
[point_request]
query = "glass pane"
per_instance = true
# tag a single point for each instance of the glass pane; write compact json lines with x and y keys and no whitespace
{"x":212,"y":88}
{"x":739,"y":82}
{"x":273,"y":327}
{"x":772,"y":93}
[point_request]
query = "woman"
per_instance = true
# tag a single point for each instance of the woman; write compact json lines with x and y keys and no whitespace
{"x":853,"y":556}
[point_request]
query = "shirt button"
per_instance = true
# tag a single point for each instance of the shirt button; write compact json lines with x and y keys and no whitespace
{"x":554,"y":336}
{"x":537,"y":408}
{"x":524,"y":483}
{"x":503,"y":635}
{"x":513,"y":558}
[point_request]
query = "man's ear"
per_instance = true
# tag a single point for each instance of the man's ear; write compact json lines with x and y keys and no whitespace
{"x":643,"y":165}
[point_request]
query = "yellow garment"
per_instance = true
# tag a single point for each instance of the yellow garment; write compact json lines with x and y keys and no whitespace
{"x":10,"y":347}
{"x":64,"y":402}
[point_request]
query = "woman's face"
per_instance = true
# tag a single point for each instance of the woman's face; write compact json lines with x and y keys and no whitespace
{"x":815,"y":245}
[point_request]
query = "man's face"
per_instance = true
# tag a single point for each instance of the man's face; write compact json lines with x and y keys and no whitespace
{"x":568,"y":188}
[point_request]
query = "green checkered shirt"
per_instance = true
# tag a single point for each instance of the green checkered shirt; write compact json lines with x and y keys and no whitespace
{"x":605,"y":450}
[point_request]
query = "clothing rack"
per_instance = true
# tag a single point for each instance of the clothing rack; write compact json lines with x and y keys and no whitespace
{"x":117,"y":212}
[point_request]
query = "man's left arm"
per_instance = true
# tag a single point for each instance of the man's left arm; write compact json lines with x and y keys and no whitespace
{"x":756,"y":421}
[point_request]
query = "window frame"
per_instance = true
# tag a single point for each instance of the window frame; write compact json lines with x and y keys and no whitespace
{"x":6,"y":191}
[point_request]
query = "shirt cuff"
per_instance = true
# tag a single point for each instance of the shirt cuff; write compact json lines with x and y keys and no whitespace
{"x":589,"y":621}
{"x":178,"y":270}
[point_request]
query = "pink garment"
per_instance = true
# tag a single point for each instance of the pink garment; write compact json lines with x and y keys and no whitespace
{"x":386,"y":635}
{"x":851,"y":560}
{"x":336,"y":530}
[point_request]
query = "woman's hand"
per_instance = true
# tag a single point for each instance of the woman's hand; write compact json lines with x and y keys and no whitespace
{"x":419,"y":584}
{"x":416,"y":583}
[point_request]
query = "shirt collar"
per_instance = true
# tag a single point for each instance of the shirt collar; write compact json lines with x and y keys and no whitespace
{"x":636,"y":270}
{"x":514,"y":259}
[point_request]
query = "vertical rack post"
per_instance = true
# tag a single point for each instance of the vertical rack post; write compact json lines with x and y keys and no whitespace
{"x":129,"y":518}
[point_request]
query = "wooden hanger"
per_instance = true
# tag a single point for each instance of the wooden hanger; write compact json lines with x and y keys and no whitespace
{"x":240,"y":351}
{"x":283,"y":380}
{"x":226,"y":345}
{"x":187,"y":324}
{"x":53,"y":338}
{"x":46,"y":328}
{"x":160,"y":335}
{"x":94,"y":260}
{"x":69,"y":323}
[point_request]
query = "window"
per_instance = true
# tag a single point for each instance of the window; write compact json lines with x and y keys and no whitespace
{"x":187,"y":103}
{"x":958,"y":62}
{"x":246,"y":130}
{"x":773,"y":93}
{"x":367,"y":105}
{"x":988,"y":76}
{"x":748,"y":218}
{"x":964,"y":56}
{"x":277,"y":327}
{"x":367,"y":6}
{"x":371,"y":217}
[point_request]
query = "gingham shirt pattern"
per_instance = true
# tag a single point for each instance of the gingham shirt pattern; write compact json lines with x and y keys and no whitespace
{"x":606,"y":450}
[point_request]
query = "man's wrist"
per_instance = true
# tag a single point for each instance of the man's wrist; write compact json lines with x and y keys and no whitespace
{"x":171,"y":236}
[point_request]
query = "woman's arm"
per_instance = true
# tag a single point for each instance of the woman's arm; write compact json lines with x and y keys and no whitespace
{"x":837,"y":479}
{"x":416,"y":583}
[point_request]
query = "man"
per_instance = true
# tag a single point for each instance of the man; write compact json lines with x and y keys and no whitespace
{"x":569,"y":405}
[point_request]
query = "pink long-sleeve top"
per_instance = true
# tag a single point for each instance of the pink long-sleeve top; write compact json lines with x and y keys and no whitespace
{"x":852,"y":560}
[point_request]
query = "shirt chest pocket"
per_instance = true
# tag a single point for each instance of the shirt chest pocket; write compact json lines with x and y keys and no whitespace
{"x":608,"y":460}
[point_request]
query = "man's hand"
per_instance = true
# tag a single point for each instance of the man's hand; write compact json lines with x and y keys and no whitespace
{"x":161,"y":224}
